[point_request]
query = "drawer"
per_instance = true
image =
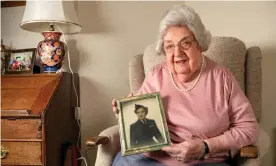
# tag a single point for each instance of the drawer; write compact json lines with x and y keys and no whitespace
{"x":21,"y":129}
{"x":22,"y":153}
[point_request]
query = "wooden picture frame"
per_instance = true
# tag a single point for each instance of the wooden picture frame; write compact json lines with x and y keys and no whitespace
{"x":142,"y":124}
{"x":21,"y":61}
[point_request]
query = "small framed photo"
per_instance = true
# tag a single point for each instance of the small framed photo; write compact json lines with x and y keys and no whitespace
{"x":21,"y":61}
{"x":142,"y":123}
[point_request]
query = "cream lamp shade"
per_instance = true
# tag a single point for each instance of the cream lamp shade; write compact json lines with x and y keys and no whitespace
{"x":39,"y":15}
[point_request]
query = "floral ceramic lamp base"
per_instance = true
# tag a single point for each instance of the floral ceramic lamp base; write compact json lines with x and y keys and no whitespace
{"x":51,"y":51}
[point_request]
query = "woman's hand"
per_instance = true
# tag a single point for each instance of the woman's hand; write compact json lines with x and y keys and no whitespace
{"x":114,"y":106}
{"x":186,"y":151}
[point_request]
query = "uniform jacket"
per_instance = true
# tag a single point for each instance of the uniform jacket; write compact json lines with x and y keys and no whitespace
{"x":141,"y":134}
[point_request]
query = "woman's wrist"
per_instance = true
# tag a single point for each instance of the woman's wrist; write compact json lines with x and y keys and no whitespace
{"x":205,"y":150}
{"x":217,"y":144}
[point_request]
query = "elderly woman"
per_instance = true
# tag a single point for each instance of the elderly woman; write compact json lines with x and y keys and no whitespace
{"x":208,"y":115}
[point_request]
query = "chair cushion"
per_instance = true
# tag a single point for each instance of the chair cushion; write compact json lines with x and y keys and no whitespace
{"x":227,"y":51}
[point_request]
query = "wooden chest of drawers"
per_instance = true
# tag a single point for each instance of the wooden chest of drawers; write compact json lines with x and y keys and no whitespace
{"x":37,"y":117}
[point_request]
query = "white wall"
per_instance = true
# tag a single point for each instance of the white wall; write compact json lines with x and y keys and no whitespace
{"x":113,"y":32}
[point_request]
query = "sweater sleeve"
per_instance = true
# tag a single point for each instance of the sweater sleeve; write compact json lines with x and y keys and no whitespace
{"x":243,"y":129}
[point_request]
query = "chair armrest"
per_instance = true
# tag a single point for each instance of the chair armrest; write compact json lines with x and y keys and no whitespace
{"x":98,"y":140}
{"x":109,"y":145}
{"x":250,"y":151}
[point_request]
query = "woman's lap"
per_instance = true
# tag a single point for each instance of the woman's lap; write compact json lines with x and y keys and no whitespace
{"x":134,"y":160}
{"x":141,"y":160}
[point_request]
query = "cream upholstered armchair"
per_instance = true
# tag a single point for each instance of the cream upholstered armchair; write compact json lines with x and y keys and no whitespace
{"x":231,"y":52}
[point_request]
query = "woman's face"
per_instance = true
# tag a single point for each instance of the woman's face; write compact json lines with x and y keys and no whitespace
{"x":141,"y":113}
{"x":183,"y":54}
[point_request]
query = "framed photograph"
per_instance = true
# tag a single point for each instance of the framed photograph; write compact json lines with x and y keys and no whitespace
{"x":142,"y":123}
{"x":21,"y":61}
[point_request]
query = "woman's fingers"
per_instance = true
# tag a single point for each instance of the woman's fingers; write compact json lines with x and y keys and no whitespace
{"x":172,"y":150}
{"x":114,"y":104}
{"x":114,"y":108}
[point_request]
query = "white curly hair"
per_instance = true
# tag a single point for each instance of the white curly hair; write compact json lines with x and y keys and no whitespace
{"x":182,"y":15}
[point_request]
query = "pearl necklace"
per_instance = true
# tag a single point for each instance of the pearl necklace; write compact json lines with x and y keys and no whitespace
{"x":196,"y":81}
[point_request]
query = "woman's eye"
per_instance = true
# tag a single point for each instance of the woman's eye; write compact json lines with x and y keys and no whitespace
{"x":186,"y":43}
{"x":169,"y":46}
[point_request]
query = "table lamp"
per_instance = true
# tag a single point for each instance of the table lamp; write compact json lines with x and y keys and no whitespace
{"x":52,"y":19}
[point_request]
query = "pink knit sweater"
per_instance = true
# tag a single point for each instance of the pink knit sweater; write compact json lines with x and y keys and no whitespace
{"x":215,"y":106}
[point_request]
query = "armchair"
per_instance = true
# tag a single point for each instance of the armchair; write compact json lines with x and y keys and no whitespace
{"x":232,"y":53}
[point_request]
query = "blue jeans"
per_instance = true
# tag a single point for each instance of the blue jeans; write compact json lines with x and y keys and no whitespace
{"x":141,"y":160}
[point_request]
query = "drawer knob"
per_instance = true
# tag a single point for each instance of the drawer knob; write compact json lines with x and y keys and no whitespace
{"x":4,"y":152}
